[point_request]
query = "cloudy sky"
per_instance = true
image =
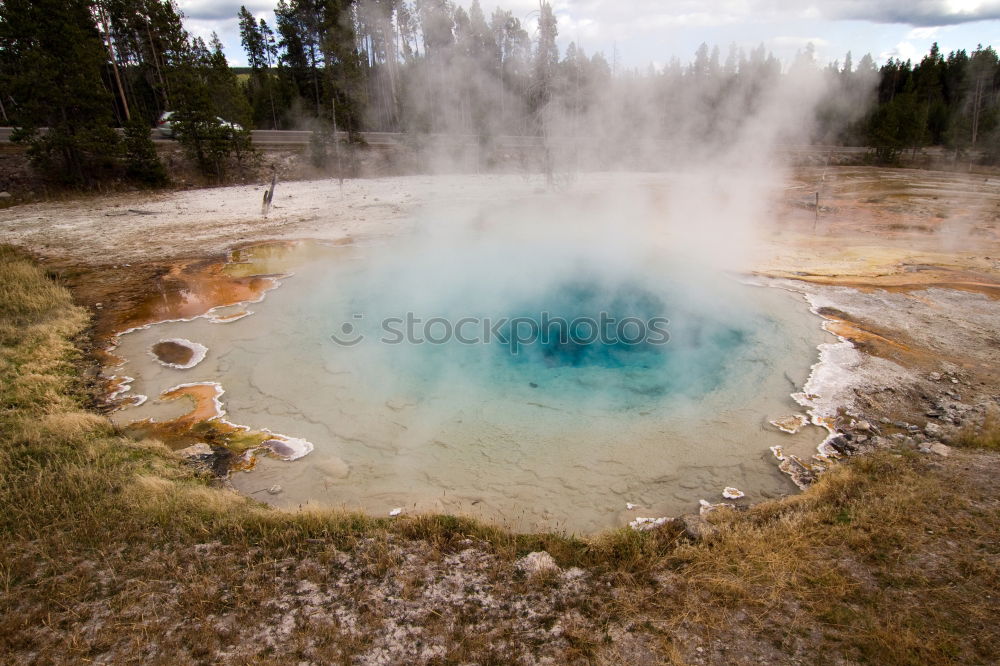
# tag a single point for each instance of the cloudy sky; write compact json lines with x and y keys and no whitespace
{"x":641,"y":32}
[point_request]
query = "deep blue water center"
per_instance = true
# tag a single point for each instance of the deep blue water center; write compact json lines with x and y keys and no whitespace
{"x":648,"y":345}
{"x":624,"y":342}
{"x":586,"y":323}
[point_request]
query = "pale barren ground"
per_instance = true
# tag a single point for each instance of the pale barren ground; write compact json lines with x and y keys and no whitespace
{"x":872,"y":221}
{"x":141,"y":227}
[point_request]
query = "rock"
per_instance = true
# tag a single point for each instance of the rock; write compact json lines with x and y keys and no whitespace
{"x":695,"y":527}
{"x":863,"y":426}
{"x":732,"y":493}
{"x":940,"y":449}
{"x":395,"y":512}
{"x":630,"y":506}
{"x":840,"y":445}
{"x":538,"y":562}
{"x":274,"y":490}
{"x":936,"y":376}
{"x":199,"y":450}
{"x":5,"y":195}
{"x":934,"y":430}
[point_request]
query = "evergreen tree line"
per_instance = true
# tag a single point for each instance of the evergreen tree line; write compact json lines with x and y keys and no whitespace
{"x":434,"y":66}
{"x":82,"y":67}
{"x":941,"y":101}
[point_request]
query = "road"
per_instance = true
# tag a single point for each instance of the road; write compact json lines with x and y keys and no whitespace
{"x":298,"y":138}
{"x":274,"y":138}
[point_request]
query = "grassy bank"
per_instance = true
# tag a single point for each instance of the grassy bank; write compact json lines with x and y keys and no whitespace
{"x":112,"y":550}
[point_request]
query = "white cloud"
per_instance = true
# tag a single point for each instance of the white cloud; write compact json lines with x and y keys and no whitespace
{"x":696,"y":12}
{"x":921,"y":13}
{"x":903,"y":51}
{"x":222,"y":9}
{"x":658,"y":29}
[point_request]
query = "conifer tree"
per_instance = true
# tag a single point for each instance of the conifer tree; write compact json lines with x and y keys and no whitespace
{"x":546,"y":56}
{"x":51,"y":61}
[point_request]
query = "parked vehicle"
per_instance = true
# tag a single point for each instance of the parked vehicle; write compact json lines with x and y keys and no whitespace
{"x":165,"y":126}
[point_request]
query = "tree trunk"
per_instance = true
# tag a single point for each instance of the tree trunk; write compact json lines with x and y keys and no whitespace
{"x":156,"y":64}
{"x":312,"y":66}
{"x":114,"y":60}
{"x":976,"y":108}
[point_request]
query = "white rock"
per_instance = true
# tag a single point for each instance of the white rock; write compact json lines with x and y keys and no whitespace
{"x":536,"y":563}
{"x":274,"y":490}
{"x":646,"y":524}
{"x":707,"y":507}
{"x":395,"y":512}
{"x":630,"y":506}
{"x":732,"y":493}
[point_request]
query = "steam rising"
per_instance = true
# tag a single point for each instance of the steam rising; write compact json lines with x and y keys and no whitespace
{"x":653,"y":196}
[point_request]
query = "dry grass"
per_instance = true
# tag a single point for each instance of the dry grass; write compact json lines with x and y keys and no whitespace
{"x":112,"y":550}
{"x":986,"y":435}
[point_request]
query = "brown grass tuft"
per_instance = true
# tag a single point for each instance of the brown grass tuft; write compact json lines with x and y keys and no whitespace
{"x":986,"y":435}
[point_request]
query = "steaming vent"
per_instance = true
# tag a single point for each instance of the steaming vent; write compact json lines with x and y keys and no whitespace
{"x":525,"y":365}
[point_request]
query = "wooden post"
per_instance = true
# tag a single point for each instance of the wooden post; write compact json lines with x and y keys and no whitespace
{"x":269,"y":194}
{"x":336,"y":142}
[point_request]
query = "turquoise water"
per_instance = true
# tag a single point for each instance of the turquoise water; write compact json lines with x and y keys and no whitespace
{"x":556,"y":347}
{"x":539,"y":435}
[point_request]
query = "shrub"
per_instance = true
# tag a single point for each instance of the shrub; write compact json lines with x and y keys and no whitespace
{"x":142,"y":164}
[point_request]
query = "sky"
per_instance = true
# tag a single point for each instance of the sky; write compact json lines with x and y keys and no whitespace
{"x":639,"y":33}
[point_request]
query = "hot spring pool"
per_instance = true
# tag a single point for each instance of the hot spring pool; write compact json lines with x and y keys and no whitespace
{"x":484,"y":419}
